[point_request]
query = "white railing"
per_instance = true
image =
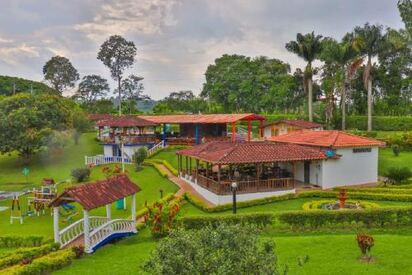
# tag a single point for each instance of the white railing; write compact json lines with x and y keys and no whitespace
{"x":101,"y":159}
{"x":116,"y":226}
{"x":76,"y":229}
{"x":155,"y":148}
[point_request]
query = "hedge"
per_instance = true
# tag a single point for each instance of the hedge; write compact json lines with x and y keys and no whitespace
{"x":157,"y":167}
{"x":143,"y":211}
{"x":18,"y":255}
{"x":197,"y":222}
{"x":316,"y":204}
{"x":377,"y":217}
{"x":14,"y":241}
{"x":381,"y":190}
{"x":380,"y":123}
{"x":166,"y":164}
{"x":243,"y":204}
{"x":43,"y":265}
{"x":358,"y":196}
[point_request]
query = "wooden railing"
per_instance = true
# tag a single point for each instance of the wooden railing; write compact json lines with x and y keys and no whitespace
{"x":101,"y":159}
{"x":247,"y":186}
{"x":130,"y":139}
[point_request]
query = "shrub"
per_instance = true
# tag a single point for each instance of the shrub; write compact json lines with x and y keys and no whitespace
{"x":160,"y":217}
{"x":226,"y":249}
{"x":23,"y":254}
{"x":396,"y":149}
{"x":28,"y":241}
{"x":365,"y":243}
{"x":198,"y":222}
{"x":81,"y":174}
{"x":139,"y":156}
{"x":157,"y":167}
{"x":313,"y":205}
{"x":398,"y":175}
{"x":78,"y":251}
{"x":145,"y":210}
{"x":381,"y":123}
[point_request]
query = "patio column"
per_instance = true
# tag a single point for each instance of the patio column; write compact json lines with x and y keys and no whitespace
{"x":260,"y":128}
{"x":233,"y":131}
{"x":56,"y":224}
{"x":187,"y":167}
{"x":86,"y":228}
{"x":218,"y":173}
{"x":197,"y":133}
{"x":164,"y":133}
{"x":249,"y":129}
{"x":134,"y":210}
{"x":178,"y":165}
{"x":197,"y":170}
{"x":109,"y":211}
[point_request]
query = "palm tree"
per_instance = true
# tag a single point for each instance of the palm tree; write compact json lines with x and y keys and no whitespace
{"x":308,"y":47}
{"x":343,"y":57}
{"x":368,"y":40}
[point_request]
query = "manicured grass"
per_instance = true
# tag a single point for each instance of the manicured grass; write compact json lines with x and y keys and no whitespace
{"x":168,"y":154}
{"x":148,"y":179}
{"x":42,"y":165}
{"x":388,"y":159}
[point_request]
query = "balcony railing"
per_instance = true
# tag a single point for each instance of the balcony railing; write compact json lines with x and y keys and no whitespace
{"x":245,"y":186}
{"x":130,"y":139}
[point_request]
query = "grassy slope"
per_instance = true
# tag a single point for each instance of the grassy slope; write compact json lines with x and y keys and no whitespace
{"x":42,"y":165}
{"x":387,"y":159}
{"x":169,"y":155}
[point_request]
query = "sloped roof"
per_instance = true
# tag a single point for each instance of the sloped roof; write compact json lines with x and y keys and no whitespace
{"x":99,"y":193}
{"x":202,"y":119}
{"x":125,"y":121}
{"x":304,"y":124}
{"x":327,"y":138}
{"x":222,"y":152}
{"x":97,"y":117}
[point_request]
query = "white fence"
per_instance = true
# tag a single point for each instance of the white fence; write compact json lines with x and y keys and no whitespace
{"x":156,"y":148}
{"x":101,"y":159}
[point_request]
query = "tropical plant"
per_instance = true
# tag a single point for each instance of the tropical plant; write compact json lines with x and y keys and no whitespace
{"x":368,"y":40}
{"x":160,"y":217}
{"x":398,"y":175}
{"x":60,"y":72}
{"x":405,"y":9}
{"x":117,"y":54}
{"x":365,"y":243}
{"x":308,"y":47}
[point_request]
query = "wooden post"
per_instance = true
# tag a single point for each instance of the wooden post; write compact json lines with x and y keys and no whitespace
{"x":197,"y":170}
{"x":218,"y":173}
{"x":294,"y":173}
{"x":249,"y":129}
{"x":233,"y":131}
{"x":178,"y":165}
{"x":56,"y":224}
{"x":261,"y":129}
{"x":86,"y":229}
{"x":109,"y":211}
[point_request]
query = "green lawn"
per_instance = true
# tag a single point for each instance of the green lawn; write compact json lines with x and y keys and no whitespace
{"x":387,"y":159}
{"x":168,"y":154}
{"x":43,"y":165}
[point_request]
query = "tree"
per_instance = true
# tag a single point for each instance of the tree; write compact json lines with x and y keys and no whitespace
{"x":368,"y":41}
{"x":80,"y":125}
{"x":133,"y":88}
{"x":405,"y":9}
{"x":227,"y":249}
{"x":101,"y":106}
{"x":342,"y":58}
{"x":91,"y":88}
{"x":139,"y":157}
{"x":117,"y":54}
{"x":60,"y":72}
{"x":308,"y":47}
{"x":26,"y":121}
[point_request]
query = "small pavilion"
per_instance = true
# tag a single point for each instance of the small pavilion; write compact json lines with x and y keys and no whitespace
{"x":94,"y":231}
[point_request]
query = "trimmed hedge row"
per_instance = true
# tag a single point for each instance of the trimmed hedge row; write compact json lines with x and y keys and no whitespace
{"x":316,"y":204}
{"x":380,"y":123}
{"x":166,"y":164}
{"x":382,"y":190}
{"x":16,"y":256}
{"x":374,"y":217}
{"x":198,"y":222}
{"x":14,"y":241}
{"x":358,"y":196}
{"x":143,"y":211}
{"x":243,"y":204}
{"x":43,"y":265}
{"x":157,"y":167}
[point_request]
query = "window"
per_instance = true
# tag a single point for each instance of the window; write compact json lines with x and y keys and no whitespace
{"x":362,"y":150}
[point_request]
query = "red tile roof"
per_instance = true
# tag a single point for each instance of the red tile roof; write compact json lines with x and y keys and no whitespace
{"x":99,"y":193}
{"x":97,"y":117}
{"x":221,"y":152}
{"x":297,"y":123}
{"x":330,"y":138}
{"x":125,"y":121}
{"x":200,"y":118}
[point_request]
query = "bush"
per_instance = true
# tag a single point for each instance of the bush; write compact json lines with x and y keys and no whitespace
{"x":44,"y":265}
{"x":381,"y":123}
{"x":365,"y":243}
{"x":145,"y":210}
{"x":313,"y":205}
{"x":198,"y":222}
{"x":140,"y":156}
{"x":22,"y":254}
{"x":81,"y":174}
{"x":29,"y":241}
{"x":396,"y":149}
{"x":398,"y":175}
{"x":157,"y":167}
{"x":165,"y":163}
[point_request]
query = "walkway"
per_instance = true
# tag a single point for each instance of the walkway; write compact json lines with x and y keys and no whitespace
{"x":184,"y":187}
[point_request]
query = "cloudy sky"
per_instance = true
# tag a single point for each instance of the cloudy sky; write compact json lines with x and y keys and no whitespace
{"x":176,"y":39}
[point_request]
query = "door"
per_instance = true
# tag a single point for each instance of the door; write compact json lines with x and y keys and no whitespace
{"x":116,"y":151}
{"x":306,"y":171}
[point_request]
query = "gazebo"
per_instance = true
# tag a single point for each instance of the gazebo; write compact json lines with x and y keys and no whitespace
{"x":95,"y":231}
{"x":260,"y":169}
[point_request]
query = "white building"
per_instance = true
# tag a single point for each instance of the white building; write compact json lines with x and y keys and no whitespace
{"x":285,"y":126}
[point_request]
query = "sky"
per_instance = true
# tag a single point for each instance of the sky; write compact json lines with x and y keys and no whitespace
{"x":176,"y":39}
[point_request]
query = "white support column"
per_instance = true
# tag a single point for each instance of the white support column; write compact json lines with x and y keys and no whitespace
{"x":109,"y":211}
{"x":134,"y":210}
{"x":86,"y":228}
{"x":56,"y":224}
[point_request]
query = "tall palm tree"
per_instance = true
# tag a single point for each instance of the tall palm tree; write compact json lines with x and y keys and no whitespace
{"x":308,"y":47}
{"x":344,"y":57}
{"x":368,"y":40}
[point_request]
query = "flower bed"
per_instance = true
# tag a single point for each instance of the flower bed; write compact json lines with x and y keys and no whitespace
{"x":319,"y":204}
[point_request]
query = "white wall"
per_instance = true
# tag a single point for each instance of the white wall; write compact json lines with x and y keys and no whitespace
{"x":225,"y":199}
{"x":107,"y":150}
{"x":267,"y":132}
{"x":350,"y":169}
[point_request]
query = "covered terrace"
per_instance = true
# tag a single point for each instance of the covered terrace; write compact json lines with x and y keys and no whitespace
{"x":195,"y":128}
{"x":256,"y":167}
